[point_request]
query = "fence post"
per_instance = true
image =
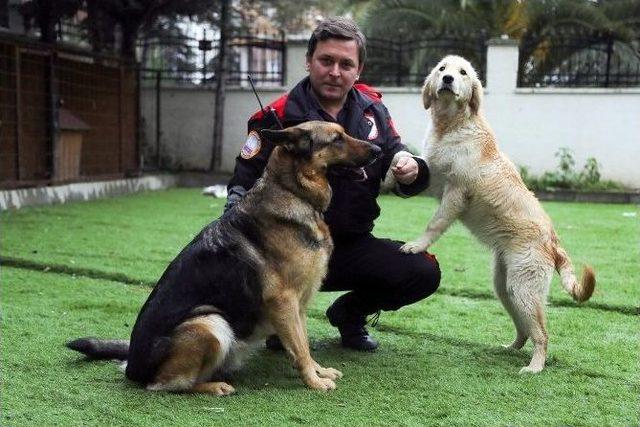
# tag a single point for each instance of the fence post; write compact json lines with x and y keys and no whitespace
{"x":283,"y":75}
{"x":120,"y":119}
{"x":52,"y":103}
{"x":220,"y":90}
{"x":158,"y":122}
{"x":18,"y":111}
{"x":609,"y":53}
{"x":398,"y":47}
{"x":502,"y":65}
{"x":295,"y":61}
{"x":139,"y":131}
{"x":204,"y":46}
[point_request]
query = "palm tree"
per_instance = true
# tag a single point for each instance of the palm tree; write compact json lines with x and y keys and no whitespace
{"x":577,"y":42}
{"x":553,"y":34}
{"x":423,"y":31}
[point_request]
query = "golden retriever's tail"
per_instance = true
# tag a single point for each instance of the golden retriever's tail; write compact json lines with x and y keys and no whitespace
{"x":580,"y":291}
{"x":98,"y":349}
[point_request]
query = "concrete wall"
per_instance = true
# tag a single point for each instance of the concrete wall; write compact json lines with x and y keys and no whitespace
{"x":82,"y":191}
{"x":531,"y":124}
{"x":186,"y":138}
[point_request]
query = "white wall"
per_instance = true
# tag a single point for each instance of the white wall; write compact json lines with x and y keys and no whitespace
{"x":186,"y":139}
{"x":531,"y":124}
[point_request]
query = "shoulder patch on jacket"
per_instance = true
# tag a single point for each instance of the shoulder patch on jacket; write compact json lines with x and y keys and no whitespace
{"x":277,"y":105}
{"x":369,"y":92}
{"x":252,"y":145}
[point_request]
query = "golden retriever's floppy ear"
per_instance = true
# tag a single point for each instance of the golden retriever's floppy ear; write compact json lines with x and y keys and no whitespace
{"x":476,"y":96}
{"x":429,"y":89}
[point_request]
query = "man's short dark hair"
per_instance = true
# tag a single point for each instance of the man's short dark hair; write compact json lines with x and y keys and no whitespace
{"x":341,"y":28}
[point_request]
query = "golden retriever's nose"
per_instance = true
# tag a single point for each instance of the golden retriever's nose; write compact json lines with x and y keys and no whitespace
{"x":448,"y":79}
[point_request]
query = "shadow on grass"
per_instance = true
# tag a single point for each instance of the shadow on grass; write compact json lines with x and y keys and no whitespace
{"x":122,"y":278}
{"x":479,"y":295}
{"x":72,"y":271}
{"x":496,"y":355}
{"x":273,"y":370}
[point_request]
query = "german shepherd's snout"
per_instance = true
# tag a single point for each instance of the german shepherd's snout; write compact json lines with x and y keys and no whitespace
{"x":364,"y":153}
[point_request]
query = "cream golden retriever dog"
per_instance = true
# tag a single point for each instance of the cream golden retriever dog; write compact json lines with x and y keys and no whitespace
{"x":479,"y":185}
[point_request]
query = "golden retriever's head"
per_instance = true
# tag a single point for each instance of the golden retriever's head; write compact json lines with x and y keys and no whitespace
{"x":453,"y":80}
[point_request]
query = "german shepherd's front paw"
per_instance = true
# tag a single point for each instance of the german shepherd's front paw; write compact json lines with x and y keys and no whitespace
{"x":330,"y":373}
{"x":322,"y":384}
{"x":415,"y":246}
{"x":215,"y":388}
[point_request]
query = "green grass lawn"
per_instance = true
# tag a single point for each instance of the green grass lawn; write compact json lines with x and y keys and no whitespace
{"x":86,"y":268}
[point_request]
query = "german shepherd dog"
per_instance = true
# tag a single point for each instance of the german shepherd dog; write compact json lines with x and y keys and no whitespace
{"x":246,"y":275}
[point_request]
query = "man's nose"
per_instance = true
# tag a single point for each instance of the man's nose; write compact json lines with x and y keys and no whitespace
{"x":335,"y":70}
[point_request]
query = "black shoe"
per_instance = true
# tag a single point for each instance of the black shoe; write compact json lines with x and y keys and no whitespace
{"x":353,"y":334}
{"x":273,"y":343}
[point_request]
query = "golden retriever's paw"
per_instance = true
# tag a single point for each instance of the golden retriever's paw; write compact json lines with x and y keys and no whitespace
{"x":530,"y":370}
{"x":414,"y":247}
{"x":322,"y":384}
{"x":332,"y":374}
{"x":517,"y":344}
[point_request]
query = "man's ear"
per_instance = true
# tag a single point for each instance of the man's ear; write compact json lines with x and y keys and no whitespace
{"x":294,"y":140}
{"x":476,"y":96}
{"x":429,"y":89}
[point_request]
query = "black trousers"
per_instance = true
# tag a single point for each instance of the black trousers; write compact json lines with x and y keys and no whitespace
{"x":379,"y":276}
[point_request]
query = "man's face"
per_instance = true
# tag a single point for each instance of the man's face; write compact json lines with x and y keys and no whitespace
{"x":333,"y":69}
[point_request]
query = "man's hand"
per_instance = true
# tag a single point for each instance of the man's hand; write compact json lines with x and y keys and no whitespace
{"x":406,"y":170}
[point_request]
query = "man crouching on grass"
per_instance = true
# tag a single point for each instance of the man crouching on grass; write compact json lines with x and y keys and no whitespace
{"x":376,"y":274}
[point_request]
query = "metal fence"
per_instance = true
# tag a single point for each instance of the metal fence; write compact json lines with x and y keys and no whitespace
{"x":406,"y":63}
{"x":193,"y":60}
{"x":594,"y":59}
{"x":66,"y":115}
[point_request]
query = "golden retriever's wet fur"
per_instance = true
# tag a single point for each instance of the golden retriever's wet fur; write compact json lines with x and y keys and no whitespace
{"x":479,"y":185}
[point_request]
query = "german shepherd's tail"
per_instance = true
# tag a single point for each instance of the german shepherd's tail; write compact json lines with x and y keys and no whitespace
{"x":98,"y":349}
{"x":580,"y":291}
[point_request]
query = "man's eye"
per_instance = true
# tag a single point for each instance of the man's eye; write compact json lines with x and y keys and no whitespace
{"x":463,"y":72}
{"x":441,"y":68}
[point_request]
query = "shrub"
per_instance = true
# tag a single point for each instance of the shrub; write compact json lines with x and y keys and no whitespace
{"x":565,"y":176}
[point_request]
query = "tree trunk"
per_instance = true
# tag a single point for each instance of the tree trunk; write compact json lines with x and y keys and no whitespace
{"x":4,"y":13}
{"x":46,"y":21}
{"x":221,"y":80}
{"x":129,"y":36}
{"x":95,"y":27}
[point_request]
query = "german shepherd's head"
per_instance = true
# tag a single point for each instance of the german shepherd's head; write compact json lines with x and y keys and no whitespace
{"x":323,"y":144}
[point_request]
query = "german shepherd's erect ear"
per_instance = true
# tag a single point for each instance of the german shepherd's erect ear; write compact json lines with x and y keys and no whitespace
{"x":293,"y":139}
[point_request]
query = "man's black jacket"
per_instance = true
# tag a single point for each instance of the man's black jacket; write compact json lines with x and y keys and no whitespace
{"x":353,"y":207}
